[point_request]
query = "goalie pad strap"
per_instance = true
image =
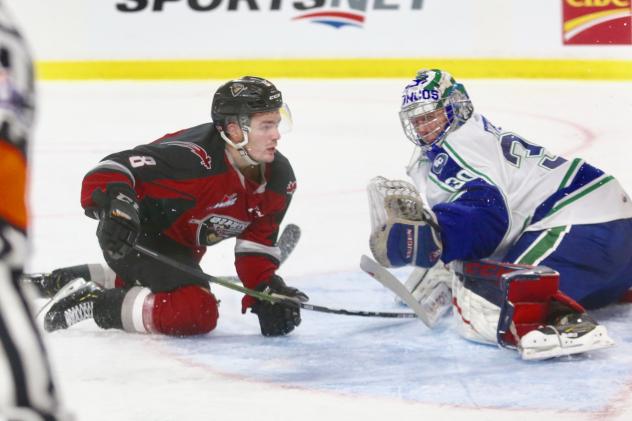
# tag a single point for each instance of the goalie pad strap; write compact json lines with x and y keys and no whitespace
{"x":565,"y":299}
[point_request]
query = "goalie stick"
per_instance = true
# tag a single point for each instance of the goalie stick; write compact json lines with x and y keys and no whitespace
{"x":386,"y":278}
{"x":270,"y":297}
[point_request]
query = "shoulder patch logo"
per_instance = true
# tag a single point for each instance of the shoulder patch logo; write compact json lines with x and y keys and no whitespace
{"x":291,"y":187}
{"x":205,"y":158}
{"x":439,"y":162}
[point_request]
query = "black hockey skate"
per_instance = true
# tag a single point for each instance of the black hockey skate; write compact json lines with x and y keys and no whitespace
{"x":73,"y":304}
{"x":575,"y":325}
{"x":48,"y":284}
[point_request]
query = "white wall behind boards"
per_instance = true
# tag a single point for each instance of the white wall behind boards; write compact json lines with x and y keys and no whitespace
{"x":261,"y":29}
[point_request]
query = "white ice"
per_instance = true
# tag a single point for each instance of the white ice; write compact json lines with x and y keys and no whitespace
{"x":332,"y":367}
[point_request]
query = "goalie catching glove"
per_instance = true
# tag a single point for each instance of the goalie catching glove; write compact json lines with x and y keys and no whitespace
{"x":403,"y":230}
{"x":277,"y":319}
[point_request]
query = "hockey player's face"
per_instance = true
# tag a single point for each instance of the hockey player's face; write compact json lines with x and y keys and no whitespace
{"x":430,"y":125}
{"x":263,"y":136}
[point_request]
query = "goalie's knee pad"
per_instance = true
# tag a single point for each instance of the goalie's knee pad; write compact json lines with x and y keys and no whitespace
{"x":189,"y":310}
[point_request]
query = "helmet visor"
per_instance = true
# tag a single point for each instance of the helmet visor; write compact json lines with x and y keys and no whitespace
{"x":279,"y":120}
{"x":286,"y":124}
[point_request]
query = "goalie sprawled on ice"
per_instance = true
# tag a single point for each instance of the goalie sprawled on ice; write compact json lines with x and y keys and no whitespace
{"x":563,"y":227}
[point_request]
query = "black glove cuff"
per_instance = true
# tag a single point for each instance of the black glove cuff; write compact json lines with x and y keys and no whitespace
{"x":113,"y":191}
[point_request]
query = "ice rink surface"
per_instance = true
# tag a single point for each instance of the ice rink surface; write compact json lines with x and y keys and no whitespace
{"x":332,"y":367}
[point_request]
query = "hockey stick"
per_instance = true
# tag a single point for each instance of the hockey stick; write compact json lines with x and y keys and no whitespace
{"x":270,"y":297}
{"x":386,"y":278}
{"x":287,"y":243}
{"x":288,"y":240}
{"x":415,"y":279}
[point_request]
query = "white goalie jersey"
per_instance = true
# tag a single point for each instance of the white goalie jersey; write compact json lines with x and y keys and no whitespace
{"x":538,"y":190}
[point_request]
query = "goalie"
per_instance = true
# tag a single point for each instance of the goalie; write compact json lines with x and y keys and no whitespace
{"x":490,"y":193}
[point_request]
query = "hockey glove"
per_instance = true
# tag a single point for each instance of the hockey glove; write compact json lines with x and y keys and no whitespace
{"x":119,"y":222}
{"x":403,"y":230}
{"x":278,"y":319}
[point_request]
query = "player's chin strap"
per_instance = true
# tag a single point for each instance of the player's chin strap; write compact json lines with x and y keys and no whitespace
{"x":241,"y":146}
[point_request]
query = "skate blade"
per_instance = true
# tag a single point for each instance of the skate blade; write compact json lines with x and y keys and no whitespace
{"x":597,"y":339}
{"x":65,"y":291}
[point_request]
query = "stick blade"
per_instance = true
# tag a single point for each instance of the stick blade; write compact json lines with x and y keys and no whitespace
{"x":288,"y":240}
{"x":386,"y":278}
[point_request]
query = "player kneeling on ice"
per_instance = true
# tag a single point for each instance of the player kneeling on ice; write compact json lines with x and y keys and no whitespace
{"x":177,"y":195}
{"x":489,"y":193}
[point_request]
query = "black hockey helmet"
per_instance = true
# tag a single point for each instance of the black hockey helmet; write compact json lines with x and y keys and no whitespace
{"x":243,"y":97}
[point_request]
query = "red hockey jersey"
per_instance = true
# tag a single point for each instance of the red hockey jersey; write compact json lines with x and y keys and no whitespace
{"x":189,"y":189}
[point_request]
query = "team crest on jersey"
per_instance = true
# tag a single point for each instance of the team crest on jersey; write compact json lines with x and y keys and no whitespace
{"x":291,"y":187}
{"x":227,"y":200}
{"x":205,"y":158}
{"x":215,"y":228}
{"x":439,"y":162}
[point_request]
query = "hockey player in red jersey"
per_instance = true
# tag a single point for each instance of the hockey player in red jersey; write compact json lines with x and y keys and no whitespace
{"x":177,"y":195}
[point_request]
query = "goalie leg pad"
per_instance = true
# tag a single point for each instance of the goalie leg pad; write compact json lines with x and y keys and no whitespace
{"x":499,"y":302}
{"x":476,"y":314}
{"x":431,"y":288}
{"x":534,"y":316}
{"x":526,"y":302}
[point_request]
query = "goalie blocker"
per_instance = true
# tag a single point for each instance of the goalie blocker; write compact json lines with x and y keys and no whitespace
{"x":521,"y":306}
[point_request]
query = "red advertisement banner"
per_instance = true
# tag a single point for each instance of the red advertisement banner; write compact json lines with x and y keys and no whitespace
{"x":597,"y":22}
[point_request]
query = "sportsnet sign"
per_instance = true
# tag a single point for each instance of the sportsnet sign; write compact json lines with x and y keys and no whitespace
{"x":333,"y":13}
{"x":598,"y":22}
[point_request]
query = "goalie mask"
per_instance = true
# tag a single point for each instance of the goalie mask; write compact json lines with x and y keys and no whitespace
{"x":433,"y":105}
{"x":237,"y":100}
